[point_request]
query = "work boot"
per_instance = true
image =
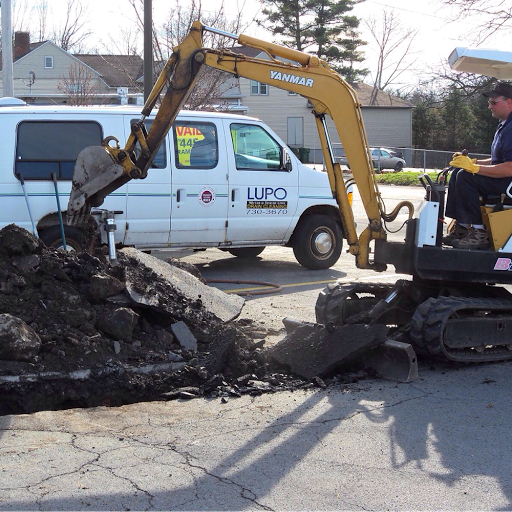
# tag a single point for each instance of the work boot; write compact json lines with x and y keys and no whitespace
{"x":476,"y":239}
{"x":458,"y":233}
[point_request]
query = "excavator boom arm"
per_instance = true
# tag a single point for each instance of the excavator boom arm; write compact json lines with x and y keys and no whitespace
{"x":294,"y":71}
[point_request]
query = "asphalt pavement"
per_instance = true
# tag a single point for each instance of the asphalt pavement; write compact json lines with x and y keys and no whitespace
{"x":438,"y":443}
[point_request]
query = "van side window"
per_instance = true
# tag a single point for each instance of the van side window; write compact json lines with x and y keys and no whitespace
{"x":46,"y":147}
{"x":196,"y":145}
{"x":160,"y":160}
{"x":254,"y":148}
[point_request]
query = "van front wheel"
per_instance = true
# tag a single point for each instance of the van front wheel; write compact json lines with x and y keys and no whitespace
{"x":74,"y":238}
{"x":318,"y":242}
{"x":246,"y":252}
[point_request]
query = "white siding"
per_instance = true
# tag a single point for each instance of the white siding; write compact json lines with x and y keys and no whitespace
{"x":385,"y":126}
{"x":388,"y":126}
{"x":45,"y":89}
{"x":47,"y":79}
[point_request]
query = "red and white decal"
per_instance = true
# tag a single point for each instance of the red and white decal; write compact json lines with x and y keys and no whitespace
{"x":206,"y":196}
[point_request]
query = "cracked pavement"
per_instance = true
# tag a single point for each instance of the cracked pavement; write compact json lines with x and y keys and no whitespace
{"x":438,"y":443}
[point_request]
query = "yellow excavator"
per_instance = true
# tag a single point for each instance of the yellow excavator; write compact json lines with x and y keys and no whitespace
{"x":450,"y":308}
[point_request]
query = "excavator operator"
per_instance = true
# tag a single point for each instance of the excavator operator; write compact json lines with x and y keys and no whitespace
{"x":474,"y":178}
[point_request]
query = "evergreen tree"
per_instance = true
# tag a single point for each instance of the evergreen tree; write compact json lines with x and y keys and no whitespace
{"x":485,"y":125}
{"x":456,"y":117}
{"x":458,"y":121}
{"x":425,"y":118}
{"x":322,"y":27}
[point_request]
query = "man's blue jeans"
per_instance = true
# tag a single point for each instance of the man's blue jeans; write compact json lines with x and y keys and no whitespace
{"x":464,"y":191}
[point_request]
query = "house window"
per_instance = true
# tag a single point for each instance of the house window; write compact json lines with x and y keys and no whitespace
{"x":75,"y":88}
{"x":48,"y":62}
{"x":258,"y":89}
{"x":46,"y":147}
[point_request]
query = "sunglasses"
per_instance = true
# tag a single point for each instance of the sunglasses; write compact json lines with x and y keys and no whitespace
{"x":493,"y":102}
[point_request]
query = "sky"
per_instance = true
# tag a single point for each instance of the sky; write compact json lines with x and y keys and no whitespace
{"x":439,"y":29}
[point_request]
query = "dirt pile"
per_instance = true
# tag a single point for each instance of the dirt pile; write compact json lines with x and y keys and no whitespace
{"x":78,"y":331}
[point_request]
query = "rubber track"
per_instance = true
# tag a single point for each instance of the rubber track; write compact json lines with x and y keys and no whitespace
{"x":329,"y":305}
{"x":429,"y":321}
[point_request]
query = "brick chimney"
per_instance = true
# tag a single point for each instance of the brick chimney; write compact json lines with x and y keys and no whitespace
{"x":21,"y":44}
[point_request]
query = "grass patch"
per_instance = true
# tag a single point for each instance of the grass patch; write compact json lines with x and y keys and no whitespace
{"x":402,"y":178}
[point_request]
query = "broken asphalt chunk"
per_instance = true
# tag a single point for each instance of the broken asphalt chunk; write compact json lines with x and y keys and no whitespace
{"x":18,"y":342}
{"x":225,"y":307}
{"x":184,"y":336}
{"x":119,"y":324}
{"x":103,"y":286}
{"x":311,"y":350}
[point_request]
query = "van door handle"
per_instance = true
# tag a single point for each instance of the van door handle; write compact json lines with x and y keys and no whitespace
{"x":178,"y":195}
{"x":233,"y":195}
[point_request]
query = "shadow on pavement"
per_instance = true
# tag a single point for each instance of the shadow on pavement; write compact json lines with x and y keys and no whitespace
{"x":421,"y":435}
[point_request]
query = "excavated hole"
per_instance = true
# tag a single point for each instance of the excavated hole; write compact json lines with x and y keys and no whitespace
{"x":71,"y":335}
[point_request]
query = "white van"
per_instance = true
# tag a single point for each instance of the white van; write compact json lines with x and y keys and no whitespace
{"x":219,"y":180}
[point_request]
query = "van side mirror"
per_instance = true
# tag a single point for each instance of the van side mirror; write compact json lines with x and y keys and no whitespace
{"x":286,"y":161}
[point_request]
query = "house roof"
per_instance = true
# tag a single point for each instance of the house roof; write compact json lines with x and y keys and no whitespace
{"x":383,"y":99}
{"x":32,"y":46}
{"x":114,"y":69}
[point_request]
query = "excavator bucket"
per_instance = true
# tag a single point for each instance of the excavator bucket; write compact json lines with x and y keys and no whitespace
{"x":95,"y":175}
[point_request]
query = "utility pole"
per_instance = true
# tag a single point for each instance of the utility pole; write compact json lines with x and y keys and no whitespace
{"x":8,"y":86}
{"x":148,"y":48}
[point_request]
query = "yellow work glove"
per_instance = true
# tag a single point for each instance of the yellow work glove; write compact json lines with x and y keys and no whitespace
{"x":458,"y":153}
{"x":466,"y":163}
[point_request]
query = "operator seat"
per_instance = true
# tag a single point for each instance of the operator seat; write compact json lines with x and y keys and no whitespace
{"x":498,"y":201}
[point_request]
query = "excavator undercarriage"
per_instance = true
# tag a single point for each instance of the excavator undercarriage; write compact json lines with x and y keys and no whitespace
{"x":466,"y":324}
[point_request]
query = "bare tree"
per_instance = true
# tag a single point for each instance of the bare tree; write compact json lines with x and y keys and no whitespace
{"x":394,"y":56}
{"x":128,"y":42}
{"x":170,"y":33}
{"x":73,"y":31}
{"x":20,"y":16}
{"x":179,"y":19}
{"x":491,"y":15}
{"x":41,"y":9}
{"x":78,"y":86}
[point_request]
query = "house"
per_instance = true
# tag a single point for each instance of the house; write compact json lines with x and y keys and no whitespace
{"x":387,"y":118}
{"x":44,"y":73}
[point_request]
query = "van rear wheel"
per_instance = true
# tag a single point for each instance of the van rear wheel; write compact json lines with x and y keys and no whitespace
{"x":74,"y":238}
{"x":246,"y":252}
{"x":318,"y":242}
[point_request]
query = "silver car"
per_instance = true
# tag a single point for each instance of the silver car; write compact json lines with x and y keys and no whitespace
{"x":382,"y":158}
